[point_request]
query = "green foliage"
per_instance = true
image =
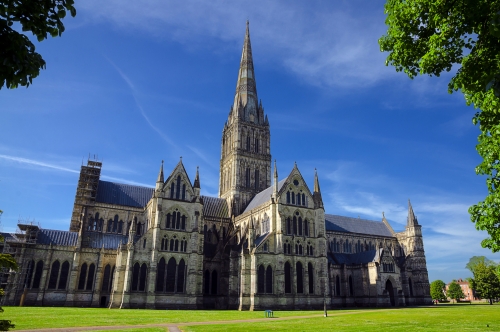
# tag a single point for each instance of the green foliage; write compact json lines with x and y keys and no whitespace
{"x":434,"y":36}
{"x":437,"y":290}
{"x":486,"y":282}
{"x":455,"y":291}
{"x":476,"y":260}
{"x":19,"y":63}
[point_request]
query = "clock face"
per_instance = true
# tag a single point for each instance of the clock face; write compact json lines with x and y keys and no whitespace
{"x":296,"y":182}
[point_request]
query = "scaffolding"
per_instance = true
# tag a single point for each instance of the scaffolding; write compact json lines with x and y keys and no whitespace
{"x":86,"y":191}
{"x":21,"y":246}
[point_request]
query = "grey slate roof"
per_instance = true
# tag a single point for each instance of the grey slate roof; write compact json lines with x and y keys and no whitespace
{"x":355,"y":225}
{"x":261,"y":239}
{"x":56,"y":237}
{"x":215,"y":207}
{"x":263,"y":196}
{"x":123,"y":194}
{"x":353,"y":259}
{"x":9,"y":237}
{"x":97,"y":240}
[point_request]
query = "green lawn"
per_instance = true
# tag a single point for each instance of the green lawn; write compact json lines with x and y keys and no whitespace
{"x":459,"y":317}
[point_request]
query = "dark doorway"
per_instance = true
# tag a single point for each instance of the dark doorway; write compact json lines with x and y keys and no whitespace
{"x":390,"y":290}
{"x":104,"y":301}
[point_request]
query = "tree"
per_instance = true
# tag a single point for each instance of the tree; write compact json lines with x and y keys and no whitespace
{"x":430,"y":37}
{"x":476,"y":260}
{"x":486,"y":282}
{"x":19,"y":63}
{"x":437,"y":290}
{"x":455,"y":291}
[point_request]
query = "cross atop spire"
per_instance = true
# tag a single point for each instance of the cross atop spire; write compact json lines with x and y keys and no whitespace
{"x":246,"y":89}
{"x":412,"y":220}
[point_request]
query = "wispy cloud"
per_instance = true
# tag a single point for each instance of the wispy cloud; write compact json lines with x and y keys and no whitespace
{"x":139,"y":106}
{"x":324,"y":44}
{"x":37,"y":163}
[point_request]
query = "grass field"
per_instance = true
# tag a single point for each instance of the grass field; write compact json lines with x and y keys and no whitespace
{"x":460,"y":317}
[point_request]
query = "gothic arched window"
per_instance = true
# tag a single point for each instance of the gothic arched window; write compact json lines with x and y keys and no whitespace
{"x":206,"y":282}
{"x":303,"y":199}
{"x":257,"y":145}
{"x":160,"y":275}
{"x":310,"y":271}
{"x":105,"y":278}
{"x":214,"y":282}
{"x":300,"y":226}
{"x":306,"y":227}
{"x":63,"y":278}
{"x":351,"y":287}
{"x":181,"y":272}
{"x":337,"y":285}
{"x":287,"y":197}
{"x":178,"y":187}
{"x":261,"y":279}
{"x":294,"y":225}
{"x":300,"y":278}
{"x":288,"y":278}
{"x":83,"y":274}
{"x":90,"y":277}
{"x":142,"y":279}
{"x":135,"y":276}
{"x":54,"y":273}
{"x":171,"y":267}
{"x":257,"y":179}
{"x":269,"y":280}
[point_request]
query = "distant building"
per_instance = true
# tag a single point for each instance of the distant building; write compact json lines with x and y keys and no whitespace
{"x":468,"y":292}
{"x":259,"y":244}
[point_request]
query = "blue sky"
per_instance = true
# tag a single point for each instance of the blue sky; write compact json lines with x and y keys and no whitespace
{"x":135,"y":82}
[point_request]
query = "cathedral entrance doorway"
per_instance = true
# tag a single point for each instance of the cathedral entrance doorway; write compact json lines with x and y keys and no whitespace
{"x":390,"y":291}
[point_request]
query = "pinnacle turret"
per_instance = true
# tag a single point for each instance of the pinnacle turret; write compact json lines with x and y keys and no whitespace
{"x":412,"y":220}
{"x":160,"y":174}
{"x":318,"y":200}
{"x":197,"y":179}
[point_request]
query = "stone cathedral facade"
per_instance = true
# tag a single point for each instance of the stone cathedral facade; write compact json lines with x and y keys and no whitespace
{"x":262,"y":243}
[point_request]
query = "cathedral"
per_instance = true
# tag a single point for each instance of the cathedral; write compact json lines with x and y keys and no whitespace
{"x":263,"y":243}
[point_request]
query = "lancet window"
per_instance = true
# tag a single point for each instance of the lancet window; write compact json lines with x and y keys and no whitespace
{"x":58,"y":275}
{"x":175,"y":220}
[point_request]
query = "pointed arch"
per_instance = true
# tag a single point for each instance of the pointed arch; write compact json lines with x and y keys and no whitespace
{"x":300,"y":278}
{"x":261,"y":279}
{"x":181,"y":274}
{"x":206,"y":282}
{"x":90,"y":277}
{"x":269,"y":280}
{"x":143,"y":277}
{"x":160,"y":275}
{"x":105,"y":278}
{"x":135,"y":276}
{"x":410,"y":286}
{"x":171,"y":267}
{"x":351,"y":287}
{"x":288,"y":278}
{"x":54,"y":274}
{"x":63,"y":278}
{"x":310,"y":272}
{"x":83,"y":274}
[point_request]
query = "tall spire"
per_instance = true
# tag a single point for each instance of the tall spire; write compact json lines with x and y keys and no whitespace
{"x":412,"y":220}
{"x":160,"y":175}
{"x":246,"y":89}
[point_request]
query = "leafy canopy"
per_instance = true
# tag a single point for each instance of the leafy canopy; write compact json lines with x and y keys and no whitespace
{"x":437,"y":290}
{"x":486,"y":282}
{"x":455,"y":291}
{"x":19,"y":63}
{"x":474,"y":261}
{"x":435,"y":36}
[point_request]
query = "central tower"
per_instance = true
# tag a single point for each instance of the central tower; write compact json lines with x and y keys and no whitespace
{"x":245,"y":165}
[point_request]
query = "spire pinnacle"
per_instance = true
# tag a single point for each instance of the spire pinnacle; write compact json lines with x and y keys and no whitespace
{"x":316,"y":182}
{"x":412,"y":220}
{"x":275,"y":189}
{"x":160,"y":175}
{"x":197,"y":178}
{"x":246,"y":89}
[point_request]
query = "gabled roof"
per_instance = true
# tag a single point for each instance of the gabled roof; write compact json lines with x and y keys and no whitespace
{"x":363,"y":257}
{"x":263,"y":197}
{"x":355,"y":225}
{"x":258,"y":241}
{"x":215,"y":207}
{"x":123,"y":194}
{"x":179,"y":167}
{"x":98,"y":240}
{"x":56,"y":237}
